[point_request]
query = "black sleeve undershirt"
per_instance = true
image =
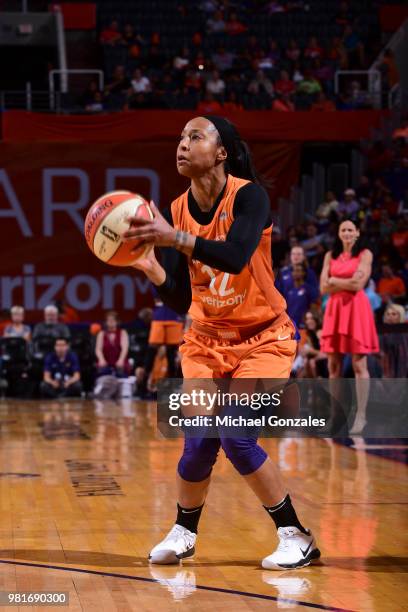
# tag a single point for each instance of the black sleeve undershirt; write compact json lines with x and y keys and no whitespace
{"x":251,"y":216}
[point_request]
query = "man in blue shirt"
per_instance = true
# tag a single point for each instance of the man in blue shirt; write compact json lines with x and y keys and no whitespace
{"x":284,"y":280}
{"x":62,"y":376}
{"x":300,"y":295}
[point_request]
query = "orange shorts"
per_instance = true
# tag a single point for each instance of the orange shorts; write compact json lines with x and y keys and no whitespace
{"x":166,"y":332}
{"x":269,"y":354}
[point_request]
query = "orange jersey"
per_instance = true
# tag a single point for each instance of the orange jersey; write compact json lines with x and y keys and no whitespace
{"x":221,"y":299}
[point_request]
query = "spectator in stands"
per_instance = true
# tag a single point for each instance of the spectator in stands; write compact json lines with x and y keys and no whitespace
{"x":97,"y":105}
{"x":223,"y":60}
{"x":234,"y":26}
{"x":400,"y":238}
{"x":359,"y":97}
{"x":111,"y":34}
{"x":349,"y":207}
{"x":309,"y":86}
{"x":324,"y":73}
{"x":297,"y":76}
{"x":274,"y":53}
{"x":119,"y":84}
{"x":62,"y":377}
{"x":323,"y":104}
{"x":215,"y":85}
{"x":216,"y":24}
{"x":51,"y":327}
{"x":261,"y":85}
{"x":130,"y":37}
{"x":300,"y":295}
{"x":284,"y":280}
{"x":313,"y":361}
{"x":112,"y":346}
{"x":182,"y":59}
{"x":344,"y":16}
{"x":390,"y":286}
{"x":232,"y":104}
{"x":293,"y":52}
{"x":327,"y":209}
{"x":17,"y":328}
{"x":338,"y":54}
{"x":284,"y":85}
{"x":354,"y":48}
{"x":313,"y":49}
{"x":394,"y":344}
{"x":208,"y":105}
{"x":313,"y":242}
{"x":140,"y":83}
{"x":375,"y":299}
{"x":283,"y":103}
{"x":364,"y":189}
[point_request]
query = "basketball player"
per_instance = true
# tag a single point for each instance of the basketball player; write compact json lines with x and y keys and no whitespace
{"x":217,"y":243}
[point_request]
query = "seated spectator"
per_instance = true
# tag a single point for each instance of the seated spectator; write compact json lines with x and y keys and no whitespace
{"x":97,"y":105}
{"x":301,"y":295}
{"x":274,"y":53}
{"x":284,"y":280}
{"x":17,"y":329}
{"x":400,"y":238}
{"x":234,"y":26}
{"x":112,"y":346}
{"x":323,"y":104}
{"x":216,"y":24}
{"x":192,"y":81}
{"x":61,"y":376}
{"x":344,"y":16}
{"x":364,"y":189}
{"x":297,"y":76}
{"x":349,"y":207}
{"x":283,"y":103}
{"x":232,"y":103}
{"x":215,"y":84}
{"x":51,"y":327}
{"x":261,"y":84}
{"x":328,"y":208}
{"x":140,"y":83}
{"x":354,"y":47}
{"x":313,"y":49}
{"x":293,"y":52}
{"x":359,"y":97}
{"x":208,"y":105}
{"x":390,"y":286}
{"x":284,"y":85}
{"x":312,"y":362}
{"x":313,"y":243}
{"x":182,"y":59}
{"x":323,"y":73}
{"x":119,"y":84}
{"x":89,"y":94}
{"x":337,"y":53}
{"x":309,"y":86}
{"x":223,"y":60}
{"x":394,"y":344}
{"x":130,"y":37}
{"x":111,"y":34}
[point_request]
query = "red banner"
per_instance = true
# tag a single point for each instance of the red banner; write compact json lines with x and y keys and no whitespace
{"x":45,"y":191}
{"x":265,"y":126}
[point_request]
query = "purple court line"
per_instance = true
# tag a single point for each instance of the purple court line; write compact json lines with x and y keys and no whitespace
{"x":198,"y":586}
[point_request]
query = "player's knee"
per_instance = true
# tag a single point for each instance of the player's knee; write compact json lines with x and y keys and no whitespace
{"x":244,"y":453}
{"x":198,"y":458}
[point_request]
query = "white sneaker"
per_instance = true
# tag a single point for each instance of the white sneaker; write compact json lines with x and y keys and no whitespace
{"x":295,"y":549}
{"x":178,"y":544}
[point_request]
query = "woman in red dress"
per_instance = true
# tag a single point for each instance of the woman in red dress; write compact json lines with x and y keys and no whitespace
{"x":348,"y":324}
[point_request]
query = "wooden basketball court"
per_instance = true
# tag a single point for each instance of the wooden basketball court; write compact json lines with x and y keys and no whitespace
{"x":86,"y":489}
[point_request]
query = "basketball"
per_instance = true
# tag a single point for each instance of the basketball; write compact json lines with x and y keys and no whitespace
{"x":107,"y":220}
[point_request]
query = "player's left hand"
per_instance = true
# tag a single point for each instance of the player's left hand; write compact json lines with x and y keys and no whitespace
{"x":154,"y":231}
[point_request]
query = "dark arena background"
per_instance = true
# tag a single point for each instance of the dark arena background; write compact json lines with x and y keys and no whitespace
{"x":93,"y":99}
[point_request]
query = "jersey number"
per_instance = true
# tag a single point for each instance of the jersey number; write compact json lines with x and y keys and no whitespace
{"x":222,"y":290}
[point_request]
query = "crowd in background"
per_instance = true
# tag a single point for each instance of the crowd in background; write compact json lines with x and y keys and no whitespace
{"x":62,"y":356}
{"x":226,"y":64}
